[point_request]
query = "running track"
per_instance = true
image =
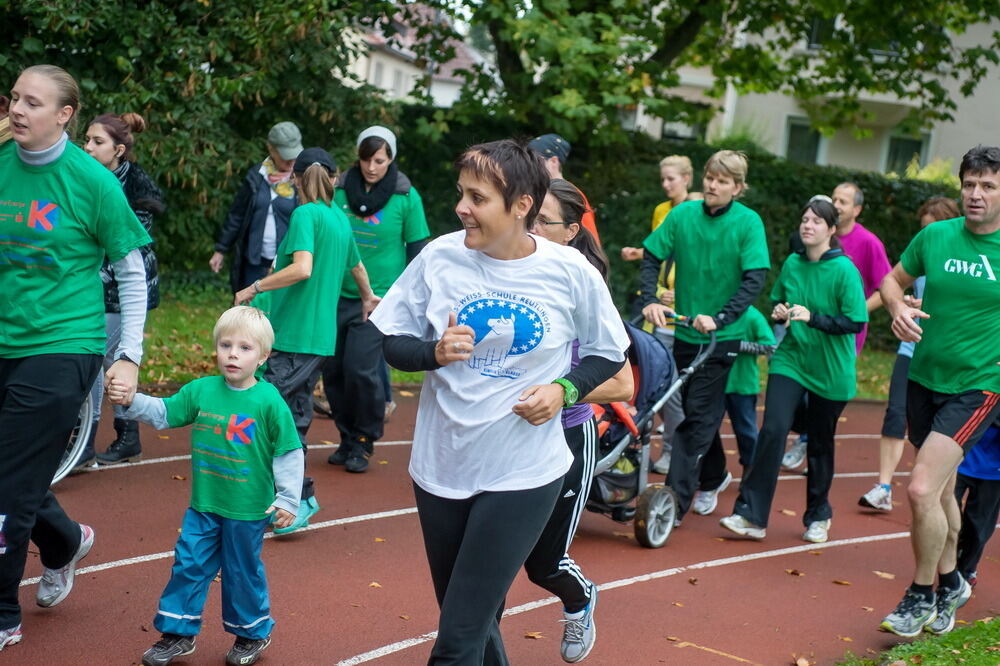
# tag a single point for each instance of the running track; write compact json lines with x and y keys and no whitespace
{"x":355,"y":588}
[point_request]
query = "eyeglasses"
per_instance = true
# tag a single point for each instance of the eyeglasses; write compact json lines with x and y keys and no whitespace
{"x":547,"y":222}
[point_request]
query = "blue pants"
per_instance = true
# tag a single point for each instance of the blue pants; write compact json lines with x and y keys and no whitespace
{"x":207,"y":543}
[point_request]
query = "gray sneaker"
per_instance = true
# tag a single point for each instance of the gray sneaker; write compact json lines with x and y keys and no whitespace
{"x":743,"y":527}
{"x":795,"y":455}
{"x":10,"y":636}
{"x":168,"y":648}
{"x":817,"y":532}
{"x":912,"y":614}
{"x":878,"y":497}
{"x":949,"y":601}
{"x":705,"y":501}
{"x":57,"y":583}
{"x":579,"y":632}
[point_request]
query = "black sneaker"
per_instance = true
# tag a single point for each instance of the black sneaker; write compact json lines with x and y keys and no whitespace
{"x":912,"y":614}
{"x":357,"y":463}
{"x":246,"y":650}
{"x":168,"y":648}
{"x":340,"y":456}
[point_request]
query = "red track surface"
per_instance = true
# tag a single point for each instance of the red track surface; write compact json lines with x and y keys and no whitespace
{"x":676,"y":605}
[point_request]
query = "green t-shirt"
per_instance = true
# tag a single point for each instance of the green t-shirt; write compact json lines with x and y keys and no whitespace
{"x":57,"y":222}
{"x":960,"y":345}
{"x":304,"y":315}
{"x":382,"y":238}
{"x":711,"y":254}
{"x":744,"y":376}
{"x":821,"y":362}
{"x":235,"y":438}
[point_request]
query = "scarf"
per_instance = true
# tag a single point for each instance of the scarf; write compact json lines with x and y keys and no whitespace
{"x":366,"y":203}
{"x":280,"y":181}
{"x":122,"y":171}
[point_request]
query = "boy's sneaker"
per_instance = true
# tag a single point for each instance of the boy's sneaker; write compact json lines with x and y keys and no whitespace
{"x":817,"y":532}
{"x":579,"y":632}
{"x":10,"y":636}
{"x":307,"y":510}
{"x":57,"y":583}
{"x":949,"y":601}
{"x":879,"y":498}
{"x":705,"y":501}
{"x":795,"y":455}
{"x":912,"y":614}
{"x":743,"y":527}
{"x":246,"y":650}
{"x":168,"y":648}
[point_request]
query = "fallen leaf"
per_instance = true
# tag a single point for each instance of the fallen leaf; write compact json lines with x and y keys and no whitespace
{"x":794,"y":572}
{"x":917,"y":659}
{"x":815,"y":552}
{"x":842,"y":419}
{"x":327,"y":442}
{"x":178,"y":477}
{"x":627,"y":535}
{"x":985,"y":619}
{"x":379,"y":540}
{"x":672,"y":638}
{"x":406,"y":394}
{"x":164,"y":436}
{"x":373,"y":584}
{"x":898,"y":662}
{"x":693,"y":581}
{"x":533,"y":634}
{"x":846,"y":639}
{"x":721,"y":539}
{"x":802,"y":661}
{"x":355,"y":605}
{"x":841,"y":582}
{"x":993,"y":648}
{"x":404,"y":617}
{"x":730,"y":452}
{"x":788,"y":512}
{"x":883,"y":574}
{"x":383,"y":462}
{"x":678,"y":604}
{"x":868,"y":609}
{"x":144,"y":627}
{"x":961,"y":622}
{"x":956,"y":652}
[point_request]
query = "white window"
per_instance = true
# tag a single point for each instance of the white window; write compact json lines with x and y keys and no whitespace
{"x":377,"y":74}
{"x":398,"y":89}
{"x":803,"y":143}
{"x":901,"y":149}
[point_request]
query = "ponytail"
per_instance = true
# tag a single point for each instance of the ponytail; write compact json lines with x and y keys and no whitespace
{"x":316,"y":185}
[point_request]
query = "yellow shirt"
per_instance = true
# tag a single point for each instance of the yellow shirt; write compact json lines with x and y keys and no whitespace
{"x":664,"y":282}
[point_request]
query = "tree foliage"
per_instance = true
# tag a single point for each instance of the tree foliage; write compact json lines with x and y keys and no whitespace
{"x":571,"y":65}
{"x":210,"y":77}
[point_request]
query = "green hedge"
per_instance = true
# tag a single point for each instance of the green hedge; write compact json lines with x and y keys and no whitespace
{"x":623,"y":185}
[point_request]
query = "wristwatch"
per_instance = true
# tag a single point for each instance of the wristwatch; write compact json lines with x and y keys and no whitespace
{"x":122,"y":356}
{"x":572,"y":394}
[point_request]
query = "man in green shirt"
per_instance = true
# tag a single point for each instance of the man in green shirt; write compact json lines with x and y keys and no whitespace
{"x":954,"y":381}
{"x":720,"y":253}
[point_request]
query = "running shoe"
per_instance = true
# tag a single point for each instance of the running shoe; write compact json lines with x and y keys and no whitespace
{"x":912,"y":614}
{"x":10,"y":636}
{"x":307,"y":510}
{"x":579,"y":631}
{"x":743,"y":527}
{"x":168,"y":648}
{"x":949,"y":601}
{"x":357,"y":463}
{"x":795,"y":455}
{"x":705,"y":501}
{"x":340,"y":456}
{"x":972,"y":577}
{"x":246,"y":650}
{"x":57,"y":583}
{"x":390,"y":407}
{"x":817,"y":532}
{"x":662,"y":464}
{"x":879,"y":497}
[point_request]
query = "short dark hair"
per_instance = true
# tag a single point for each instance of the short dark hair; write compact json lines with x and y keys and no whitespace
{"x":827,"y":212}
{"x":859,"y":196}
{"x":979,"y":159}
{"x":371,"y":145}
{"x":512,"y":168}
{"x":573,"y":206}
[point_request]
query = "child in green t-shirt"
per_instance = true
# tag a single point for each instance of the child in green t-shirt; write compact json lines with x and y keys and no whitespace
{"x":247,"y":464}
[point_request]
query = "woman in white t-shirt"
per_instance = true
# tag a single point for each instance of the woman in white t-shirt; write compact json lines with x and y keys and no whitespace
{"x":493,"y":313}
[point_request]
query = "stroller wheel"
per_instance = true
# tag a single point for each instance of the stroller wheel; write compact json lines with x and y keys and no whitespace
{"x":655,"y":512}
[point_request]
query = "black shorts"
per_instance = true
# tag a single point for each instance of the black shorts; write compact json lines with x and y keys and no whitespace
{"x":894,"y":423}
{"x":962,"y":416}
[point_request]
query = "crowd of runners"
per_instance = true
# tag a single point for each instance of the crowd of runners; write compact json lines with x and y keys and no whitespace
{"x":335,"y":276}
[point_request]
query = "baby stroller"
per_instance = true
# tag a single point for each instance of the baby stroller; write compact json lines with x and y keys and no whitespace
{"x":620,"y":489}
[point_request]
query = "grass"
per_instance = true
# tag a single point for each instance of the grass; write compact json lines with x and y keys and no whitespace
{"x":977,"y":644}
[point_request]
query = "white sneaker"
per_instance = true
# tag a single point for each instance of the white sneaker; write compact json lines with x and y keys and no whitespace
{"x":10,"y":636}
{"x":57,"y":583}
{"x":817,"y":532}
{"x":877,"y":498}
{"x":705,"y":501}
{"x":579,"y":632}
{"x":662,"y":464}
{"x":743,"y":527}
{"x":795,"y":455}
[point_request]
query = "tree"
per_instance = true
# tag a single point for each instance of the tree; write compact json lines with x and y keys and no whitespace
{"x":572,"y":65}
{"x":211,"y":77}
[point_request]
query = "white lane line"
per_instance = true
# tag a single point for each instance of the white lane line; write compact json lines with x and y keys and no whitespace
{"x":386,"y":650}
{"x":269,"y":535}
{"x":154,"y":461}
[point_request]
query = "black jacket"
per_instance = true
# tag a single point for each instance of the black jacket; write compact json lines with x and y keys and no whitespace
{"x":146,"y":201}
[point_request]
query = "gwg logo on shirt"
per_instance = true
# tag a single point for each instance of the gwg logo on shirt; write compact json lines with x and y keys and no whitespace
{"x":240,"y":429}
{"x":971,"y":268}
{"x":43,"y":216}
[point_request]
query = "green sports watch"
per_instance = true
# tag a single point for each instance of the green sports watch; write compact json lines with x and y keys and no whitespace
{"x":572,"y":393}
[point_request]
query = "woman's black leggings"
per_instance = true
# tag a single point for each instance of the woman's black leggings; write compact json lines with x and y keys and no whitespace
{"x":757,"y":488}
{"x":549,"y":565}
{"x":475,"y":547}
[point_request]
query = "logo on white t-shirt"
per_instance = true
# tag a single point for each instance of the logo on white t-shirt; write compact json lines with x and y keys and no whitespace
{"x":506,"y":327}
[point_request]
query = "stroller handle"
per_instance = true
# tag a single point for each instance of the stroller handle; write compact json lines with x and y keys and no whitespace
{"x":680,"y":320}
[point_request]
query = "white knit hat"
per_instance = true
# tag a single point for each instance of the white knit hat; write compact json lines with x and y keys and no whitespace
{"x":383,"y":133}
